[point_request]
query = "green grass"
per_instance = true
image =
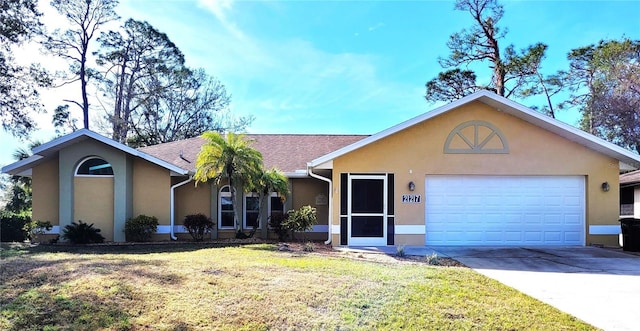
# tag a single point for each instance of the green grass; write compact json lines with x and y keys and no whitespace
{"x":254,"y":287}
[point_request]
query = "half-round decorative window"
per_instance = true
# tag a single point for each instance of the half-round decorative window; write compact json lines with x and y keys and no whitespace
{"x":94,"y":166}
{"x":476,"y":137}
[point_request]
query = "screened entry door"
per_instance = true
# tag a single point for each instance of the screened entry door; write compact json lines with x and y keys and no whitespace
{"x":367,"y":210}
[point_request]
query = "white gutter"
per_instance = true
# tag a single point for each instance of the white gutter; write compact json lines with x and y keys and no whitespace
{"x":173,"y":207}
{"x":310,"y":170}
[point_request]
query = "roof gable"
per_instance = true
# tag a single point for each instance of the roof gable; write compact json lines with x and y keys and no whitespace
{"x":51,"y":148}
{"x":628,"y":160}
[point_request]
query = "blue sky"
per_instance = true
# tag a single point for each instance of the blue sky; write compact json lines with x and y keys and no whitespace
{"x":345,"y":67}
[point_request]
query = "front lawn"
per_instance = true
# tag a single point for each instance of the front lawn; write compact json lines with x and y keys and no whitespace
{"x":253,"y":287}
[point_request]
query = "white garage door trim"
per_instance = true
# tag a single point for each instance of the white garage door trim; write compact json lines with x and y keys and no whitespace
{"x":505,"y":210}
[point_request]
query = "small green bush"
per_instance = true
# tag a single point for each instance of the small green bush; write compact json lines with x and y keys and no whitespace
{"x":82,"y":233}
{"x":300,"y":220}
{"x":140,"y":228}
{"x":432,"y":259}
{"x":400,"y":251}
{"x":12,"y":227}
{"x":198,"y":225}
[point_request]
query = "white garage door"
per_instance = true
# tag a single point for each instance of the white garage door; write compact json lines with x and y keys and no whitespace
{"x":505,"y":210}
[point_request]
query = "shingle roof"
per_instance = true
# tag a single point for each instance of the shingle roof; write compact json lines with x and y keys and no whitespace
{"x":287,"y":152}
{"x":630,"y":177}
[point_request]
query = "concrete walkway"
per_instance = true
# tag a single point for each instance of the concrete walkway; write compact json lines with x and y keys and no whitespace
{"x":599,"y":286}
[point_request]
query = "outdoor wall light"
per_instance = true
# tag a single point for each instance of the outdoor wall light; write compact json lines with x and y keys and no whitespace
{"x":412,"y":186}
{"x":605,"y":187}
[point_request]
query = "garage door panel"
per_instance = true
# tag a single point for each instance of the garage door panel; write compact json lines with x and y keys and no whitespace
{"x":573,"y":220}
{"x":553,"y":201}
{"x":573,"y":236}
{"x":504,"y":210}
{"x":512,"y":236}
{"x":553,"y":219}
{"x":553,"y":237}
{"x":572,"y":201}
{"x":494,"y":236}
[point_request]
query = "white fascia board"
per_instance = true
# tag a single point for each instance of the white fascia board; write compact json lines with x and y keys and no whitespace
{"x":22,"y":167}
{"x":297,"y":174}
{"x":60,"y":141}
{"x":323,"y":166}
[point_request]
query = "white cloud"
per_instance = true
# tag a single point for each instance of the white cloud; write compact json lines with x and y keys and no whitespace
{"x":288,"y":84}
{"x":221,"y":9}
{"x":286,"y":81}
{"x":217,"y":7}
{"x":376,"y":27}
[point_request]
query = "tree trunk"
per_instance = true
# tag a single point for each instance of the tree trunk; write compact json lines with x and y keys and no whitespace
{"x":235,"y":203}
{"x":263,"y":217}
{"x":117,"y":113}
{"x":83,"y":86}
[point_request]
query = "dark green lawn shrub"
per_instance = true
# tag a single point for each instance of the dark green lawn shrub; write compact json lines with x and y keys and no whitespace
{"x":12,"y":227}
{"x":300,"y":220}
{"x":140,"y":228}
{"x":82,"y":233}
{"x":198,"y":225}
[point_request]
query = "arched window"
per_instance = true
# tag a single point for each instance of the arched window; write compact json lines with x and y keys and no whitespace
{"x":94,"y":166}
{"x":225,"y":208}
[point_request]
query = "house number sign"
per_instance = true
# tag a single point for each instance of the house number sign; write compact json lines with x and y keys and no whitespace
{"x":411,"y":198}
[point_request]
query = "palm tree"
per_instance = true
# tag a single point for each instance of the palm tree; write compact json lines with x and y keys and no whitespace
{"x":269,"y":181}
{"x":232,"y":158}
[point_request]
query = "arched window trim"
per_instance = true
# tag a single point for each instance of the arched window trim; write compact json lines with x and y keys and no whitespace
{"x":76,"y":174}
{"x":225,"y":191}
{"x":476,"y":146}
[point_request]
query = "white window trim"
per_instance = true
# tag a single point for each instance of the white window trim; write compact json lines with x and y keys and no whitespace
{"x":220,"y":195}
{"x":244,"y":209}
{"x":269,"y":210}
{"x":75,"y":172}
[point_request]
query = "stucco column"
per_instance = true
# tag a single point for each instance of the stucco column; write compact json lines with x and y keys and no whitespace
{"x":288,"y":202}
{"x":122,"y":195}
{"x":214,"y":209}
{"x":66,"y":168}
{"x":263,"y":216}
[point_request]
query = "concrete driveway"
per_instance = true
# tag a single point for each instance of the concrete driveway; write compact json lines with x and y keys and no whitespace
{"x":599,"y":286}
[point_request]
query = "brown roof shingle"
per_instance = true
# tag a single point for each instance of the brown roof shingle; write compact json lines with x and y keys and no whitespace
{"x":287,"y":152}
{"x":630,"y":177}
